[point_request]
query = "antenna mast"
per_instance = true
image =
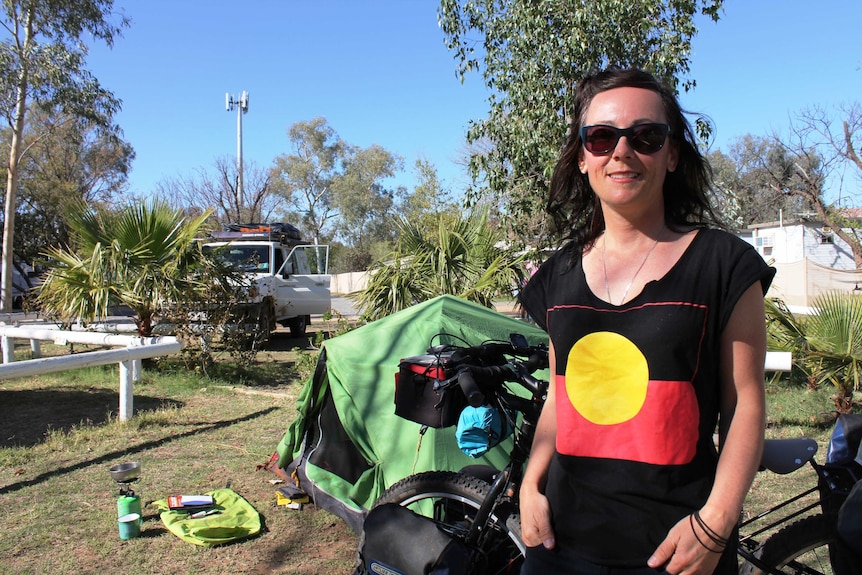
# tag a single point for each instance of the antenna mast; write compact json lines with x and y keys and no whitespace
{"x":241,"y":106}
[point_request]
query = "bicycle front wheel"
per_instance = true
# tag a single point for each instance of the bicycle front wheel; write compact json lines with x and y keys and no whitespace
{"x":451,"y":500}
{"x":801,"y":548}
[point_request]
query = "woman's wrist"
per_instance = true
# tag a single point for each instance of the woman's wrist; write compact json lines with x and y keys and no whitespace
{"x":719,"y":522}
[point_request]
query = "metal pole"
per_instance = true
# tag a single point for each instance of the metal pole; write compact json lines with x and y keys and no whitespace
{"x":8,"y":349}
{"x":239,"y":184}
{"x":127,"y":397}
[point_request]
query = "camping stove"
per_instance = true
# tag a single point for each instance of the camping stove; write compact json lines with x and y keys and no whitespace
{"x":125,"y":475}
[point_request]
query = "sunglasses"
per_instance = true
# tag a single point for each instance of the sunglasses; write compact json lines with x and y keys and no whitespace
{"x":643,"y":138}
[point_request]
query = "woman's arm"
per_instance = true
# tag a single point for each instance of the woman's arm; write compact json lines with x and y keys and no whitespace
{"x":742,"y":419}
{"x":535,"y":512}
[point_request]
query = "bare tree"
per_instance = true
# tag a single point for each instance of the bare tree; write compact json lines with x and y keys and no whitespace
{"x":217,"y":190}
{"x":820,"y":151}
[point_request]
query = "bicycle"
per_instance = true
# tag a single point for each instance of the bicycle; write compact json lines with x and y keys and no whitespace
{"x":478,"y":505}
{"x":804,"y":538}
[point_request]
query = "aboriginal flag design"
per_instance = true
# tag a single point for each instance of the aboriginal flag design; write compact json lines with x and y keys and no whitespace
{"x":624,"y":392}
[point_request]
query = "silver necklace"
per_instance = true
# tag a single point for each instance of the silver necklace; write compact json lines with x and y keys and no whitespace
{"x":640,"y":267}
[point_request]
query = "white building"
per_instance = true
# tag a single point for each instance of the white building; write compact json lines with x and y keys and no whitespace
{"x":809,"y":257}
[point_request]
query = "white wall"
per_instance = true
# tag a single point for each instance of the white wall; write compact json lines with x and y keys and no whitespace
{"x":348,"y":282}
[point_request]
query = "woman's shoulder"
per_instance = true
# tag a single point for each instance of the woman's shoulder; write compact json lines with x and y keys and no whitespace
{"x":717,"y":239}
{"x":726,"y":253}
{"x":563,"y":259}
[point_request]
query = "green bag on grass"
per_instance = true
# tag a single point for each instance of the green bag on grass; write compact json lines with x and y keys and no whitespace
{"x":234,"y":519}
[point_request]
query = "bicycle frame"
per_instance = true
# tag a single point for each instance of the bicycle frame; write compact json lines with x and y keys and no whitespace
{"x":507,"y":480}
{"x":833,"y":485}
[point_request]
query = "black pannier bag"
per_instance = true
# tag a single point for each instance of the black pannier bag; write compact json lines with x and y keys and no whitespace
{"x":841,"y":495}
{"x":415,"y":397}
{"x":397,"y":541}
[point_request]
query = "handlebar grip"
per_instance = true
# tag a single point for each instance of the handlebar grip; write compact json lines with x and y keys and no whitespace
{"x":537,"y":361}
{"x":468,"y":385}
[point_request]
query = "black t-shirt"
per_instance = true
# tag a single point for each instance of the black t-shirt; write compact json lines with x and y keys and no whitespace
{"x":637,"y":390}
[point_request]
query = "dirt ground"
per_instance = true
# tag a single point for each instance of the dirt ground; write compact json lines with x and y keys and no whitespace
{"x":334,"y":544}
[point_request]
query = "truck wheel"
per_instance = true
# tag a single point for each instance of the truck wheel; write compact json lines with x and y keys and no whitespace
{"x":265,"y":323}
{"x":298,"y":325}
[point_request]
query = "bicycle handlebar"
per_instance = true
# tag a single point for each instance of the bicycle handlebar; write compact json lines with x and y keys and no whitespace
{"x":474,"y":395}
{"x":472,"y":364}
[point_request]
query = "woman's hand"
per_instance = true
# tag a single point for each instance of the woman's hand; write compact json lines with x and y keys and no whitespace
{"x":687,"y":550}
{"x":536,"y":519}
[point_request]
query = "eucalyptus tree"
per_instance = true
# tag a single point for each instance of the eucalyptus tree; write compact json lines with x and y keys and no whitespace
{"x":753,"y":179}
{"x":69,"y":160}
{"x":337,"y":190}
{"x":429,"y":199}
{"x":307,"y":174}
{"x":42,"y":63}
{"x":531,"y":54}
{"x":364,"y":203}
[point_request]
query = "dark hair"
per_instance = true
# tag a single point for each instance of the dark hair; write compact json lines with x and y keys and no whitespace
{"x":574,"y":207}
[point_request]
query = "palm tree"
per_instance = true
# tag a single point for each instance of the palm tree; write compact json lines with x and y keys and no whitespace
{"x":826,"y":346}
{"x":460,"y":256}
{"x":143,"y":257}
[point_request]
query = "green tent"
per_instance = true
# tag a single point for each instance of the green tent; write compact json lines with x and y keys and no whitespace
{"x":347,"y":445}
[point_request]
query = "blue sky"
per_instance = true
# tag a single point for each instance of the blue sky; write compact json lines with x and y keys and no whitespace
{"x":379,"y":72}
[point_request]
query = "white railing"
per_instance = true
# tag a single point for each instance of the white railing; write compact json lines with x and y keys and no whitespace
{"x":778,"y":361}
{"x":129,"y":353}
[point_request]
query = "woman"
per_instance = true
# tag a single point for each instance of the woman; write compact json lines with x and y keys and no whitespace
{"x":657,"y":337}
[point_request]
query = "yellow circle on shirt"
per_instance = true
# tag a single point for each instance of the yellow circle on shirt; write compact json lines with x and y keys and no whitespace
{"x":606,"y":378}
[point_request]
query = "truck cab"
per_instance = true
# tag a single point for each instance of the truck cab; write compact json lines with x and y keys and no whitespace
{"x":290,"y":277}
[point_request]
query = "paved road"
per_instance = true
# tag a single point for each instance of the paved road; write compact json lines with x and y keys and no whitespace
{"x":344,"y":306}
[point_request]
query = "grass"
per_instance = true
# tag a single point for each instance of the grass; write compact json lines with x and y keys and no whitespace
{"x":192,"y":433}
{"x":196,"y":432}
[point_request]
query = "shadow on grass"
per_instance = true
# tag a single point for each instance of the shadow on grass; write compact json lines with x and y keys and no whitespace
{"x":28,"y":416}
{"x":279,"y":372}
{"x":284,"y":341}
{"x":131,"y":450}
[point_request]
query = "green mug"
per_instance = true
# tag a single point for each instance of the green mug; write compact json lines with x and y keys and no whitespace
{"x":130,"y":526}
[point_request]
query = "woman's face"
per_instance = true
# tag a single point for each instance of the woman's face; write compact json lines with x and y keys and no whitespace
{"x":626,"y":180}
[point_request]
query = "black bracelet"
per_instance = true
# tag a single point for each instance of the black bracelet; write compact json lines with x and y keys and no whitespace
{"x":696,"y":536}
{"x":711,"y":533}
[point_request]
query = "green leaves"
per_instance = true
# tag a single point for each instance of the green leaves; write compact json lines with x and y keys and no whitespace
{"x":42,"y":59}
{"x":142,"y":257}
{"x":531,"y":54}
{"x":826,"y":346}
{"x":45,"y":56}
{"x":461,"y":255}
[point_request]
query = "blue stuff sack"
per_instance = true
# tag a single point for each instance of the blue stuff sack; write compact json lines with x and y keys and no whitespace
{"x":481,"y":428}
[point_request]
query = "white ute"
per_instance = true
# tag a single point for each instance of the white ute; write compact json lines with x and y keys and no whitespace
{"x":290,"y":277}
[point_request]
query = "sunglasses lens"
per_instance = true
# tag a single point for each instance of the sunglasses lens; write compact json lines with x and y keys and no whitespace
{"x":643,"y":138}
{"x":601,"y":139}
{"x":649,"y":138}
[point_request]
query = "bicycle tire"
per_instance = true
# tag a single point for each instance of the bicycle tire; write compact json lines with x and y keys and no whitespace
{"x":451,"y":500}
{"x":800,"y":548}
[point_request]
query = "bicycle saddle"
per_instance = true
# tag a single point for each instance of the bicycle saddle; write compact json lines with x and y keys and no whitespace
{"x":784,"y":456}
